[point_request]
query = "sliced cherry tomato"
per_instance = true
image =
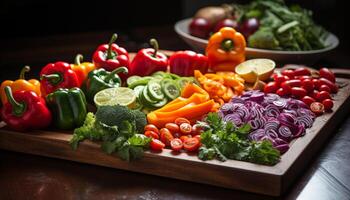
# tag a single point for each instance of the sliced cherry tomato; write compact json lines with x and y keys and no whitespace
{"x":185,"y":128}
{"x":271,"y":87}
{"x":307,"y":84}
{"x":323,"y":95}
{"x":328,"y":104}
{"x":316,"y":82}
{"x":308,"y":100}
{"x":198,"y":137}
{"x":166,"y":136}
{"x":185,"y":137}
{"x":327,"y":74}
{"x":176,"y":144}
{"x":289,"y":73}
{"x":317,"y":108}
{"x":151,"y":134}
{"x":157,"y":145}
{"x":302,"y":71}
{"x":330,"y":84}
{"x":324,"y":88}
{"x":279,"y":78}
{"x":173,"y":128}
{"x":191,"y":144}
{"x":196,"y":130}
{"x":177,"y":135}
{"x":181,"y":120}
{"x":298,"y":92}
{"x":151,"y":127}
{"x":281,"y":92}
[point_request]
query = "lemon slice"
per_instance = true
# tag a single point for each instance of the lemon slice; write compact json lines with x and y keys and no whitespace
{"x":252,"y":69}
{"x":116,"y":96}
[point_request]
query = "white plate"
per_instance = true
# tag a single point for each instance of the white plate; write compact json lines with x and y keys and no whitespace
{"x":306,"y":57}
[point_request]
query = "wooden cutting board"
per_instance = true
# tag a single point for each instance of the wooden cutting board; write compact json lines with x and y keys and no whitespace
{"x":270,"y":180}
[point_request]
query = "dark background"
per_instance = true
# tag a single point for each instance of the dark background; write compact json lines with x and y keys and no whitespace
{"x":37,"y":32}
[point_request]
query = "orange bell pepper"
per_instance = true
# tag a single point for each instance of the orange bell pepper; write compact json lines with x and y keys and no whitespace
{"x":20,"y":84}
{"x":225,"y":49}
{"x":82,"y":69}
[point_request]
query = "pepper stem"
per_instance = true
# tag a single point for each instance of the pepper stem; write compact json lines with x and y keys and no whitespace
{"x":23,"y":71}
{"x":227,"y":45}
{"x":116,"y":71}
{"x":78,"y":59}
{"x":154,"y":43}
{"x":54,"y":79}
{"x":109,"y":50}
{"x":17,"y":108}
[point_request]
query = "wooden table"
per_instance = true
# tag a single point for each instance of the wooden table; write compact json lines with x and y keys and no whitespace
{"x":31,"y":177}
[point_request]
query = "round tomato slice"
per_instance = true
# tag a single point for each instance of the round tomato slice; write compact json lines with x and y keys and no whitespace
{"x":151,"y":134}
{"x":181,"y":120}
{"x":317,"y":108}
{"x":176,"y":144}
{"x":191,"y":144}
{"x":185,"y":128}
{"x":157,"y":145}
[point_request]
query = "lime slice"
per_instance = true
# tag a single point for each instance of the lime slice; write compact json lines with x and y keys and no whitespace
{"x":251,"y":69}
{"x":114,"y":96}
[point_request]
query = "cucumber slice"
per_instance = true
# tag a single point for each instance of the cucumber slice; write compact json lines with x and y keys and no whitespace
{"x":138,"y":89}
{"x":160,"y":103}
{"x":145,"y":98}
{"x":174,"y":76}
{"x":142,"y":81}
{"x":155,"y":91}
{"x":171,"y":90}
{"x":132,"y":79}
{"x":181,"y":82}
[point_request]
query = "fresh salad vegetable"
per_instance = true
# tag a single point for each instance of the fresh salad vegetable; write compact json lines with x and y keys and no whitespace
{"x":57,"y":75}
{"x":100,"y":79}
{"x":183,"y":63}
{"x":68,"y":107}
{"x":118,"y":127}
{"x":148,"y":61}
{"x":225,"y":49}
{"x":305,"y":85}
{"x":25,"y":110}
{"x":224,"y":140}
{"x":20,"y":84}
{"x":111,"y":56}
{"x":82,"y":69}
{"x":270,"y":117}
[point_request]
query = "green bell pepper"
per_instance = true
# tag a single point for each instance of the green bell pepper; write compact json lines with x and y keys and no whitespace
{"x":100,"y":79}
{"x":68,"y":106}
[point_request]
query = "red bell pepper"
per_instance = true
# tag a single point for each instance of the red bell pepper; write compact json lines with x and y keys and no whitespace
{"x":57,"y":75}
{"x":25,"y":110}
{"x":183,"y":63}
{"x":110,"y":56}
{"x":148,"y":61}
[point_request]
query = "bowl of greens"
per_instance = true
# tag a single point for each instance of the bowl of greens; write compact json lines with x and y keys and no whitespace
{"x":273,"y":29}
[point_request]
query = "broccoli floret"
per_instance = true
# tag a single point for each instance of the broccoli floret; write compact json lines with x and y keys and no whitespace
{"x":264,"y":38}
{"x":114,"y":115}
{"x":140,"y":119}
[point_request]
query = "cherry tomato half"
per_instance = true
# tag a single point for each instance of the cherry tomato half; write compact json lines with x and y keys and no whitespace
{"x":298,"y":92}
{"x":323,"y":95}
{"x":176,"y":144}
{"x":173,"y":128}
{"x":181,"y":120}
{"x":157,"y":145}
{"x":317,"y":108}
{"x":327,"y":74}
{"x":185,"y":128}
{"x":328,"y":104}
{"x":271,"y":87}
{"x":151,"y":127}
{"x":151,"y":134}
{"x":185,"y":137}
{"x":308,"y":100}
{"x":191,"y":144}
{"x":166,"y":136}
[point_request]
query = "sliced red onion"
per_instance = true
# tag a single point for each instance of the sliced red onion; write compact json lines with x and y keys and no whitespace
{"x":283,"y":148}
{"x":299,"y":131}
{"x":292,"y":104}
{"x":270,"y":97}
{"x":280,"y":103}
{"x":273,"y":124}
{"x":243,"y":112}
{"x":305,"y":120}
{"x":304,"y":111}
{"x":227,"y":108}
{"x":271,"y":133}
{"x":257,"y":135}
{"x":278,"y":141}
{"x":237,"y":100}
{"x":272,"y":110}
{"x":292,"y":112}
{"x":285,"y":133}
{"x":234,"y":118}
{"x":287,"y":119}
{"x":257,"y":97}
{"x":256,"y":123}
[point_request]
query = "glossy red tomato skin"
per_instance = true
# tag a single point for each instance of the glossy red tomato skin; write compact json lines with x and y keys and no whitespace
{"x":200,"y":27}
{"x":308,"y":100}
{"x":314,"y":94}
{"x":172,"y":127}
{"x":322,"y":95}
{"x":176,"y":144}
{"x":307,"y":84}
{"x":316,"y":82}
{"x":156,"y":145}
{"x":298,"y":92}
{"x":279,"y":78}
{"x":271,"y":87}
{"x":281,"y":92}
{"x":181,"y":120}
{"x":327,"y":74}
{"x":151,"y":134}
{"x":226,"y":23}
{"x":191,"y":144}
{"x":166,"y":136}
{"x":324,"y":88}
{"x":185,"y":137}
{"x":289,"y":73}
{"x":317,"y":108}
{"x":151,"y":127}
{"x":328,"y":104}
{"x":301,"y":71}
{"x":330,"y":84}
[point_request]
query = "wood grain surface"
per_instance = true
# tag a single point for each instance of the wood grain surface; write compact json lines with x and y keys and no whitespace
{"x":270,"y":180}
